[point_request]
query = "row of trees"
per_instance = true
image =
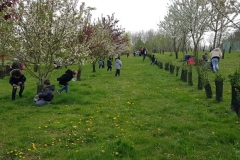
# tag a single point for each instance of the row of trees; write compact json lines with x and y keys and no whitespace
{"x":43,"y":30}
{"x":186,"y":24}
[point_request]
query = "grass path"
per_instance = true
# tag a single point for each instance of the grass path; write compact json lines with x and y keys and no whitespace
{"x":146,"y":113}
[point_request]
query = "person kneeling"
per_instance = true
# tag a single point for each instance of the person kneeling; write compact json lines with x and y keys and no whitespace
{"x":46,"y":95}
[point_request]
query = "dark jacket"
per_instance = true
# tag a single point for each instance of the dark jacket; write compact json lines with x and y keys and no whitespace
{"x":47,"y":94}
{"x":14,"y":80}
{"x":109,"y":63}
{"x":66,"y":77}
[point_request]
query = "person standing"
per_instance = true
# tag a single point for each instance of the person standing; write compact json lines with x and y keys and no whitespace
{"x":109,"y":64}
{"x":65,"y":78}
{"x":118,"y":66}
{"x":17,"y":79}
{"x":46,"y":95}
{"x":216,"y":55}
{"x":100,"y":63}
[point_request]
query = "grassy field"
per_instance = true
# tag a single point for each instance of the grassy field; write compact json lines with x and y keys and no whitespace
{"x":145,"y":114}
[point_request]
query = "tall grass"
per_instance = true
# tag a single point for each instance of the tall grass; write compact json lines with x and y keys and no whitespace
{"x":146,"y":113}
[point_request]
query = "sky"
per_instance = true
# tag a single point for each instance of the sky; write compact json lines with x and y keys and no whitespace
{"x":133,"y":15}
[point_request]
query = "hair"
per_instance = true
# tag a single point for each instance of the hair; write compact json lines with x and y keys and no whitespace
{"x":74,"y":72}
{"x":17,"y":73}
{"x":47,"y":82}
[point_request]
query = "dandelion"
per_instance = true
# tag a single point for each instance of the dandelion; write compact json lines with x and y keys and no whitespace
{"x":115,"y":118}
{"x":39,"y":127}
{"x":103,"y":151}
{"x":116,"y":153}
{"x":33,"y":146}
{"x":213,"y":133}
{"x":159,"y":129}
{"x":74,"y":126}
{"x":237,"y":122}
{"x":46,"y":126}
{"x":89,"y":129}
{"x":45,"y":145}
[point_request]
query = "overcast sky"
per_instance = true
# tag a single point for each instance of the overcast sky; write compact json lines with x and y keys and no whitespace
{"x":133,"y":15}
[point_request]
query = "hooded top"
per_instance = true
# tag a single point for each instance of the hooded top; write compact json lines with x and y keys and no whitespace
{"x":14,"y":80}
{"x":47,"y":94}
{"x":118,"y":63}
{"x":216,"y":53}
{"x":66,"y":77}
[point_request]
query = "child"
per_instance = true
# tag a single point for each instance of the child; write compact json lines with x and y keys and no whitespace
{"x":153,"y":60}
{"x":65,"y":78}
{"x":46,"y":95}
{"x":109,"y":64}
{"x":17,"y":79}
{"x":118,"y":66}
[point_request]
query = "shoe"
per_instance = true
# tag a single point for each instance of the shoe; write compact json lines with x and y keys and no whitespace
{"x":20,"y":95}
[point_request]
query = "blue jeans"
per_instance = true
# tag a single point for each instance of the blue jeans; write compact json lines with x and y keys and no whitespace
{"x":64,"y":88}
{"x":215,"y":64}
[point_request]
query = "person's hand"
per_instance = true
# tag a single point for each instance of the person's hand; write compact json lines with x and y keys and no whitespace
{"x":19,"y":83}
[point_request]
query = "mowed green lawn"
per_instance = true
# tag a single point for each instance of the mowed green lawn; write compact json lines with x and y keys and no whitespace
{"x":145,"y":114}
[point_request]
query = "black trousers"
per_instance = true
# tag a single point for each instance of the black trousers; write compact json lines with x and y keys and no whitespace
{"x":14,"y":90}
{"x":117,"y":72}
{"x":109,"y":68}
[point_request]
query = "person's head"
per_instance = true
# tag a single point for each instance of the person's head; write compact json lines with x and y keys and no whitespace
{"x":46,"y":82}
{"x":74,"y":73}
{"x":110,"y":59}
{"x":16,"y":73}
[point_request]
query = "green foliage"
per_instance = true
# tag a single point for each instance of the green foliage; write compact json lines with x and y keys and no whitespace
{"x":219,"y":77}
{"x":235,"y":78}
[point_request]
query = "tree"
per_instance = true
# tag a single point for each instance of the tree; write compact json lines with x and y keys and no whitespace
{"x":195,"y":15}
{"x":42,"y":32}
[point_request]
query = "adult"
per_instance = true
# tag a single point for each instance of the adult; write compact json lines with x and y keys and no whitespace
{"x":216,"y":55}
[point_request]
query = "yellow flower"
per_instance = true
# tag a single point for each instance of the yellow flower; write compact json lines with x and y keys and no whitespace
{"x":74,"y":126}
{"x":115,"y":118}
{"x":213,"y":133}
{"x":103,"y":151}
{"x":116,"y":153}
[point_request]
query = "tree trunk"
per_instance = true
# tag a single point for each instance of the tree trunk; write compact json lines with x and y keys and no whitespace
{"x":176,"y":54}
{"x":94,"y":67}
{"x":40,"y":88}
{"x":79,"y":74}
{"x":177,"y":70}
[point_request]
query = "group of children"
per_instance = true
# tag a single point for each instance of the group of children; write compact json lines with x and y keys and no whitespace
{"x":17,"y":80}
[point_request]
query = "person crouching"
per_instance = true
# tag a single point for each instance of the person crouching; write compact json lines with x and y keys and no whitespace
{"x":47,"y":94}
{"x":17,"y":79}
